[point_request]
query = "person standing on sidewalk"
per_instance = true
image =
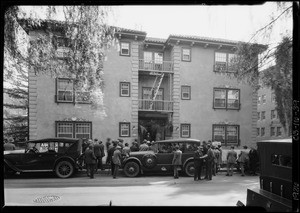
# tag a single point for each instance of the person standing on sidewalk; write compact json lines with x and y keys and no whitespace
{"x":198,"y":163}
{"x":99,"y":153}
{"x":90,"y":160}
{"x":110,"y":155}
{"x":243,"y":160}
{"x":209,"y":162}
{"x":231,"y":159}
{"x":176,"y":162}
{"x":116,"y":158}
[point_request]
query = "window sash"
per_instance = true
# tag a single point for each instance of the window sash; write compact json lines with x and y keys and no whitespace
{"x":65,"y":90}
{"x":185,"y":130}
{"x":278,"y":131}
{"x":262,"y":131}
{"x":124,"y":129}
{"x":74,"y":129}
{"x":185,"y":92}
{"x":258,"y":131}
{"x":124,"y":48}
{"x":186,"y":54}
{"x":272,"y":132}
{"x":125,"y":89}
{"x":233,"y":99}
{"x":226,"y":98}
{"x":263,"y":115}
{"x":258,"y":115}
{"x":226,"y":134}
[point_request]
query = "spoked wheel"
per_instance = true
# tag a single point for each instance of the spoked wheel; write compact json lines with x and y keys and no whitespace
{"x":131,"y":169}
{"x":64,"y":169}
{"x":189,"y":169}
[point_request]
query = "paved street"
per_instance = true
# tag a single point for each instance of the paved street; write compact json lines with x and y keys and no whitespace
{"x":150,"y":190}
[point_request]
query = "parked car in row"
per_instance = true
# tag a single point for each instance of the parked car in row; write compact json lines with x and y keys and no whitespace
{"x":159,"y":159}
{"x":52,"y":154}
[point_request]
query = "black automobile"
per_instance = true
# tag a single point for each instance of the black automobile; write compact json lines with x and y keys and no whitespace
{"x":52,"y":154}
{"x":159,"y":159}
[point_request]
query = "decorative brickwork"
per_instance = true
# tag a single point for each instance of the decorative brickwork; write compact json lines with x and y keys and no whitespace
{"x":134,"y":88}
{"x":32,"y":105}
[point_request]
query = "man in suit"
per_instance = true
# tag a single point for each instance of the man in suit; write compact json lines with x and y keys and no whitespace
{"x":198,"y":163}
{"x":99,"y":153}
{"x":231,"y":159}
{"x":176,"y":162}
{"x":209,"y":162}
{"x":116,"y":159}
{"x":109,"y":156}
{"x":90,"y":160}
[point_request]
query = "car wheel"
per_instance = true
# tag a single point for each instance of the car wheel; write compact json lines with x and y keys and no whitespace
{"x":189,"y":169}
{"x":131,"y":169}
{"x":149,"y":161}
{"x":64,"y":169}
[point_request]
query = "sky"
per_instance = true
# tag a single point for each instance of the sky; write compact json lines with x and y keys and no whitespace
{"x":232,"y":22}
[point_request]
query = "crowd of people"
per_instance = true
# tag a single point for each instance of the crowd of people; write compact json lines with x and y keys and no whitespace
{"x":208,"y":156}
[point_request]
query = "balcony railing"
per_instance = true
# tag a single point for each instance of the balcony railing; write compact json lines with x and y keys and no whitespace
{"x":157,"y":105}
{"x":155,"y":66}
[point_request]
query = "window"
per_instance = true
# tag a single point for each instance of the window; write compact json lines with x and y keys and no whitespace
{"x":62,"y":45}
{"x":258,"y":131}
{"x":124,"y":89}
{"x":258,"y":115}
{"x":125,"y":48}
{"x":185,"y":130}
{"x":282,"y":160}
{"x":124,"y":129}
{"x":263,"y":131}
{"x":272,"y":132}
{"x":66,"y":93}
{"x":224,"y":62}
{"x":263,"y":99}
{"x":185,"y":92}
{"x":273,"y":115}
{"x":259,"y":100}
{"x":226,"y":98}
{"x":186,"y":54}
{"x":278,"y":131}
{"x":64,"y":90}
{"x":226,"y":134}
{"x":273,"y":97}
{"x":263,"y":115}
{"x":73,"y":129}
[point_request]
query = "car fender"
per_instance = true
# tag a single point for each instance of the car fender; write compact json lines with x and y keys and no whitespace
{"x":130,"y":159}
{"x":7,"y":163}
{"x":64,"y":158}
{"x":188,"y":160}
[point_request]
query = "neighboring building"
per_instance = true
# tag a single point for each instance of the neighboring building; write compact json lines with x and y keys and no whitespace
{"x":268,"y":124}
{"x":173,"y":88}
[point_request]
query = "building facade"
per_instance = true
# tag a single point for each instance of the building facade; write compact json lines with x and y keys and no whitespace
{"x":179,"y":87}
{"x":268,"y":124}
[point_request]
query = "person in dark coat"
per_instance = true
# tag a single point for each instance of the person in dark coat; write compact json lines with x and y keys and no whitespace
{"x":90,"y":160}
{"x":134,"y":147}
{"x":209,"y":162}
{"x":205,"y":149}
{"x":198,"y":163}
{"x":253,"y":161}
{"x":109,"y":156}
{"x":99,"y":153}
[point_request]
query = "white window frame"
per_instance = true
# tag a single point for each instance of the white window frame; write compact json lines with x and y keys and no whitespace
{"x":122,"y":89}
{"x":74,"y":126}
{"x":125,"y":48}
{"x":58,"y":90}
{"x":186,"y":54}
{"x":185,"y":90}
{"x":123,"y":128}
{"x":185,"y":130}
{"x":226,"y":91}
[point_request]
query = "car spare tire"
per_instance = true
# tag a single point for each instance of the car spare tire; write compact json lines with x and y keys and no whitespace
{"x":149,"y":161}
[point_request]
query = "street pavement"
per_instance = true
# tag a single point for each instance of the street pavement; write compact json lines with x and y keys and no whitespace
{"x":145,"y":190}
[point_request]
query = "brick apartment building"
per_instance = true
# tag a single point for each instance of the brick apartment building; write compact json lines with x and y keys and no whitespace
{"x":268,"y":124}
{"x":172,"y":88}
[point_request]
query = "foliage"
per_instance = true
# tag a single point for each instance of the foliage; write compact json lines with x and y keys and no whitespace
{"x":279,"y":79}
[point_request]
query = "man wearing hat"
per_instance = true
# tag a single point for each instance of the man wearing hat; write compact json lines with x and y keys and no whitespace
{"x":176,"y":162}
{"x":117,"y":157}
{"x":198,"y":162}
{"x":243,"y":160}
{"x":90,"y":160}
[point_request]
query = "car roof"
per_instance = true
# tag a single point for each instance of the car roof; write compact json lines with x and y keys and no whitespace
{"x":285,"y":140}
{"x":67,"y":140}
{"x":178,"y":140}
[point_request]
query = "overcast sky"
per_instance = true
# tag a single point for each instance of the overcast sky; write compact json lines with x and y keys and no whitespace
{"x":232,"y":22}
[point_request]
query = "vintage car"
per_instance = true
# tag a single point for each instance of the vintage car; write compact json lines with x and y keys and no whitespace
{"x":275,"y":191}
{"x":159,"y":159}
{"x":52,"y":154}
